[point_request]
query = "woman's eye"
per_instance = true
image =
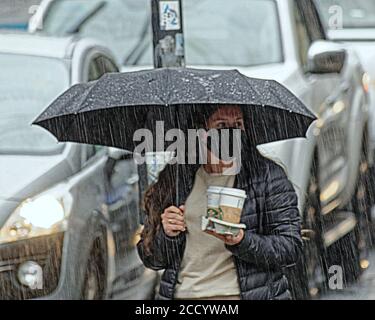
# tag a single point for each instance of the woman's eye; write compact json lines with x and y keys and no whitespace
{"x":221,"y":125}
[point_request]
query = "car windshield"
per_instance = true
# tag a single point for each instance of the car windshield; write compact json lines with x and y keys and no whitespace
{"x":353,"y":14}
{"x":117,"y":23}
{"x":217,"y":32}
{"x":27,"y":85}
{"x":64,"y":15}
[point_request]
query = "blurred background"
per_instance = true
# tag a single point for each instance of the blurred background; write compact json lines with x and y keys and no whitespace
{"x":70,"y":213}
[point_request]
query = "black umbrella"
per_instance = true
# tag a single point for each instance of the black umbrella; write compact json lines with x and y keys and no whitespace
{"x":108,"y":111}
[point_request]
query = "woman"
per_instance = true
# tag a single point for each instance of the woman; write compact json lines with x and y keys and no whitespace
{"x":200,"y":265}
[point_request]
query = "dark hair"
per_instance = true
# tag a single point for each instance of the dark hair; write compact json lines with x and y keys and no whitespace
{"x":199,"y":114}
{"x":156,"y":198}
{"x":161,"y":195}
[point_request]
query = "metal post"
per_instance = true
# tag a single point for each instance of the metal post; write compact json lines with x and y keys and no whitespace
{"x":168,"y":39}
{"x":169,"y":51}
{"x":142,"y":185}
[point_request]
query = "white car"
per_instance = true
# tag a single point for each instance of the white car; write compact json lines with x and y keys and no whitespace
{"x":282,"y":40}
{"x":68,"y":212}
{"x":352,"y":23}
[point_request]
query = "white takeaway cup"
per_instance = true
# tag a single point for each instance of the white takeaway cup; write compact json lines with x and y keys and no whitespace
{"x":231,"y":204}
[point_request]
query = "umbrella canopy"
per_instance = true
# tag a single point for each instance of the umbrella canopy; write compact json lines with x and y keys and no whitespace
{"x":108,"y":111}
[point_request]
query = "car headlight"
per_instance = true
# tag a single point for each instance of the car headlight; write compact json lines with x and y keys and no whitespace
{"x":366,"y":82}
{"x":35,"y":217}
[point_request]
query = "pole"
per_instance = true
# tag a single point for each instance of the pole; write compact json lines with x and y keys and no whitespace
{"x":169,"y":51}
{"x":168,"y":39}
{"x":168,"y":42}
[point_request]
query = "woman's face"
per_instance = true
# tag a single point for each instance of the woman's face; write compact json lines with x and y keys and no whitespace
{"x":226,"y":117}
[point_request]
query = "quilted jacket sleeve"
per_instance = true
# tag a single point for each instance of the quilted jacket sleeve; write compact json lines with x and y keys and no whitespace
{"x":165,"y":252}
{"x":281,"y":243}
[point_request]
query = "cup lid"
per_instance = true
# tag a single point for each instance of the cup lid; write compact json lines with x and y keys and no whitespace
{"x":234,"y":192}
{"x":214,"y":189}
{"x":228,"y":224}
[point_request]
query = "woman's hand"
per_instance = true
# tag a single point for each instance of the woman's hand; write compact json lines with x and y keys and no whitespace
{"x":228,"y":239}
{"x":173,"y":221}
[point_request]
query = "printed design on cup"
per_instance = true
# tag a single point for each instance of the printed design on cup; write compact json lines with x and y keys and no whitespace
{"x":213,"y":201}
{"x":231,"y":204}
{"x":215,"y":213}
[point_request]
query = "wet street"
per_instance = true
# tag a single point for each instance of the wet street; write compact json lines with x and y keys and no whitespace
{"x":364,"y":289}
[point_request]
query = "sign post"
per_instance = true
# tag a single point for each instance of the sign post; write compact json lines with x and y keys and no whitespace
{"x":168,"y":39}
{"x":169,"y":51}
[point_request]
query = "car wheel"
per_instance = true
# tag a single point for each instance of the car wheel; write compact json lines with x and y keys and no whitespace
{"x":351,"y":251}
{"x":310,"y":275}
{"x":344,"y":253}
{"x":362,"y":208}
{"x":94,"y":287}
{"x":371,"y":190}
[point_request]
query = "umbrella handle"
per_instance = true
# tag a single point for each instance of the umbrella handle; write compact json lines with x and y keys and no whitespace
{"x":177,"y":187}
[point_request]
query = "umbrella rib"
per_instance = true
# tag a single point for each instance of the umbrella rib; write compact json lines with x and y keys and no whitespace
{"x":89,"y":91}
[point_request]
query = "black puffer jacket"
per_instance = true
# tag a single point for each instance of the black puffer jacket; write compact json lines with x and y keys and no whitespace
{"x":272,"y":238}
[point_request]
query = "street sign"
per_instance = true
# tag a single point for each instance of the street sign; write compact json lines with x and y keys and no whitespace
{"x":168,"y":39}
{"x":169,"y":15}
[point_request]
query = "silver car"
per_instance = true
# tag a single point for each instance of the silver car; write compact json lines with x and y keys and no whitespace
{"x":353,"y":24}
{"x":68,"y":212}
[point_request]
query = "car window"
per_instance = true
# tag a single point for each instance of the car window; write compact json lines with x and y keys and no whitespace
{"x":118,"y":24}
{"x":352,"y":14}
{"x":303,"y":37}
{"x":64,"y":16}
{"x":235,"y":33}
{"x":28,"y":84}
{"x":217,"y":32}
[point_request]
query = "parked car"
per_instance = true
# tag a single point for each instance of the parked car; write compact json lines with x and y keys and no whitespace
{"x":282,"y":40}
{"x":352,"y":23}
{"x":68,"y":212}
